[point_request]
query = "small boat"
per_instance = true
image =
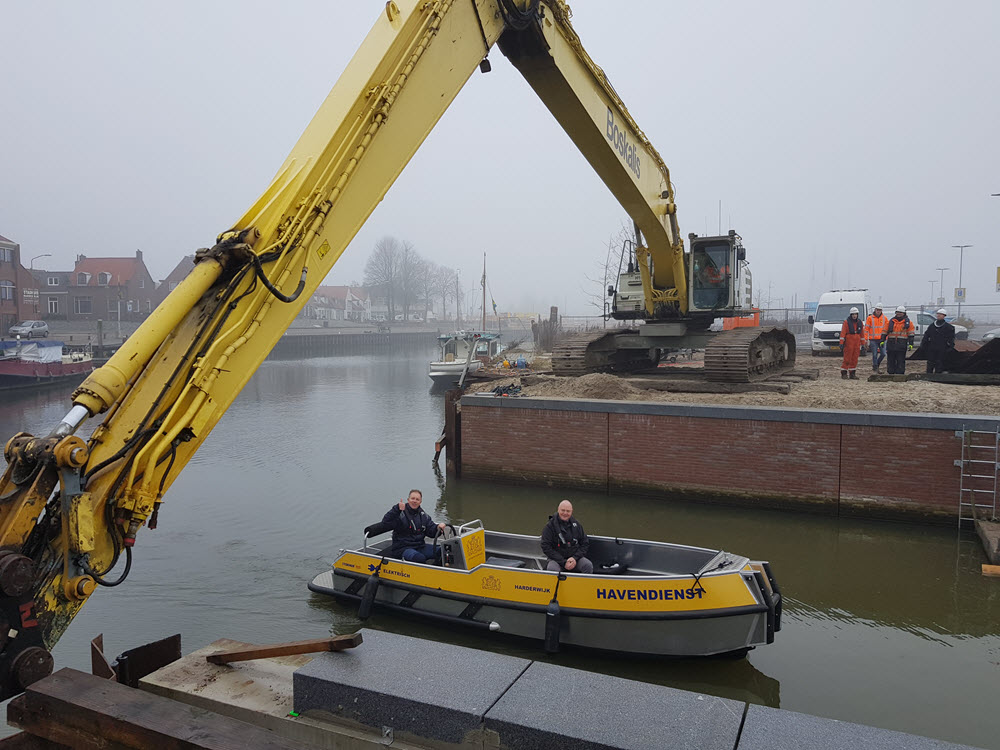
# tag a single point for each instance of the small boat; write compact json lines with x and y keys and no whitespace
{"x":461,"y":350}
{"x":649,"y":598}
{"x":30,"y":364}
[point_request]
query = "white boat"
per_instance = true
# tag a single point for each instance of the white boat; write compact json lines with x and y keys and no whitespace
{"x":463,"y":351}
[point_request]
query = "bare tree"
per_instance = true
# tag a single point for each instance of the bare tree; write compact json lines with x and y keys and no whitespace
{"x":410,"y":264}
{"x":383,"y":269}
{"x":605,"y":268}
{"x":444,"y":286}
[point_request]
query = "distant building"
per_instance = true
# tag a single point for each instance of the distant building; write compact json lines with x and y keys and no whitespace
{"x":18,"y":289}
{"x":53,"y":293}
{"x":110,"y":289}
{"x":338,"y":303}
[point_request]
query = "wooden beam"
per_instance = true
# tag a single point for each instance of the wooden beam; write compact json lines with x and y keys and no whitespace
{"x":314,"y":646}
{"x":993,"y":571}
{"x":25,"y":741}
{"x":91,"y":713}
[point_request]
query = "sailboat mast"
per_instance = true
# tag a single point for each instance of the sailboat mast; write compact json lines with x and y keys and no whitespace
{"x":484,"y":293}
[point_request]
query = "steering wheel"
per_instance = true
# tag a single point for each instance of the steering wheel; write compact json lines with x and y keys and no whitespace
{"x":447,"y":533}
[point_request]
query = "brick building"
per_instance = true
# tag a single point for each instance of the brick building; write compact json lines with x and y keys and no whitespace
{"x":106,"y":288}
{"x":175,"y":277}
{"x":18,"y":289}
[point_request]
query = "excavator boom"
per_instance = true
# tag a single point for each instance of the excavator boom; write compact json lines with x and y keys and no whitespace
{"x":70,"y":509}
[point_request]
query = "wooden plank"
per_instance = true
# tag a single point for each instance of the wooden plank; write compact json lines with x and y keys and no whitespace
{"x":801,"y":372}
{"x":703,"y":386}
{"x":25,"y":741}
{"x":91,"y":713}
{"x":993,"y":571}
{"x":313,"y":646}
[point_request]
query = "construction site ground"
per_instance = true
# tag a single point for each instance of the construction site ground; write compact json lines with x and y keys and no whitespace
{"x":829,"y":391}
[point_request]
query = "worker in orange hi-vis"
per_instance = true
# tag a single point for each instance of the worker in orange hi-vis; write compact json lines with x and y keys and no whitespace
{"x":852,"y":333}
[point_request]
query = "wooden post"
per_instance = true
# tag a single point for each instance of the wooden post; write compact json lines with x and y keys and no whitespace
{"x":452,"y":430}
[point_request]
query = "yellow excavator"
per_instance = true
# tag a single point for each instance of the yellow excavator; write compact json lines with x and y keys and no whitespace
{"x":71,"y":508}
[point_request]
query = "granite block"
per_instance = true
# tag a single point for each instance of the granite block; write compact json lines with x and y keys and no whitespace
{"x":773,"y":729}
{"x":425,"y":688}
{"x":556,"y":708}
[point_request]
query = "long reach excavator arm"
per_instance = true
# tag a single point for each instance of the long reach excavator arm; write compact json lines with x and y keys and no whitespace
{"x":70,"y":507}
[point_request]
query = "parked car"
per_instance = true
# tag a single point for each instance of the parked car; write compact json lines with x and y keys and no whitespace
{"x":30,"y":329}
{"x":991,"y":334}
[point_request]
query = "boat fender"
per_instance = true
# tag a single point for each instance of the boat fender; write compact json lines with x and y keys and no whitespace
{"x":613,"y":568}
{"x":368,"y":596}
{"x":553,"y":620}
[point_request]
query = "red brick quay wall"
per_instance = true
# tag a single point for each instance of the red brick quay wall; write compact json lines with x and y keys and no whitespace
{"x":879,"y":464}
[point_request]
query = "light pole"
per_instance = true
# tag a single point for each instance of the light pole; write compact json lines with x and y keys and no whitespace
{"x":961,"y":255}
{"x":932,"y":283}
{"x":941,"y":285}
{"x":31,"y":267}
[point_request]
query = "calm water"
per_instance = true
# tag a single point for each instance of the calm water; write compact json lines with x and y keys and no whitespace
{"x":885,"y":624}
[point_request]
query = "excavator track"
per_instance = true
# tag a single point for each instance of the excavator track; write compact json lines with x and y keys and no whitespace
{"x":597,"y":351}
{"x":745,"y":355}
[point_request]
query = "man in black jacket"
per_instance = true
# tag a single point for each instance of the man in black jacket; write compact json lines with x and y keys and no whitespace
{"x":410,"y":526}
{"x":565,"y":542}
{"x":939,"y":339}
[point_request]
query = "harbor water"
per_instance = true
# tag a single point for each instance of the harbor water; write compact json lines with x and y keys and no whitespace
{"x":885,"y":624}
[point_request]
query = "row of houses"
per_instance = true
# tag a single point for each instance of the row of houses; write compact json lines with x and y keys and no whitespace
{"x":121,"y":288}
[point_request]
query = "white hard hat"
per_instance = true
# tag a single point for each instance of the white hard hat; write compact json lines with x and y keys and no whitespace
{"x":854,"y":310}
{"x":901,"y":308}
{"x":878,"y":306}
{"x":942,"y":311}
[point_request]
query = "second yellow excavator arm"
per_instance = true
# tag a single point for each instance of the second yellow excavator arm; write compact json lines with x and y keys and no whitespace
{"x":70,"y":509}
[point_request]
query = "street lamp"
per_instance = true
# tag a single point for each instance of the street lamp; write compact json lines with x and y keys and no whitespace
{"x":961,"y":255}
{"x":31,"y":265}
{"x":941,"y":285}
{"x":932,"y":282}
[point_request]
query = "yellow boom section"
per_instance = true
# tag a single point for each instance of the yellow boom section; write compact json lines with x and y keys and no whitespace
{"x":70,"y":510}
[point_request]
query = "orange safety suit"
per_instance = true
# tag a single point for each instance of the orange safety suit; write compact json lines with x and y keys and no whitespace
{"x":852,"y":333}
{"x":875,"y":327}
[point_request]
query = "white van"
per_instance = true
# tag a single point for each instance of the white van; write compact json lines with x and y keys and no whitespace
{"x":831,"y":312}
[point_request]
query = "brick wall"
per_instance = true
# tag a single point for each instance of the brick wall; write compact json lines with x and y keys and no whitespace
{"x":883,"y":465}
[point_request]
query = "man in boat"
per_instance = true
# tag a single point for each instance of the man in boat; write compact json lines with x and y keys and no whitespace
{"x":565,"y":542}
{"x":410,"y":526}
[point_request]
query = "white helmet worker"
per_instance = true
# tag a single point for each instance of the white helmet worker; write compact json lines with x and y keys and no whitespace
{"x":855,"y":311}
{"x":878,"y":306}
{"x":901,"y":308}
{"x":942,"y":311}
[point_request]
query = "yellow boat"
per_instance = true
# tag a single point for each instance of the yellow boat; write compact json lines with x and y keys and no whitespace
{"x":644,"y":597}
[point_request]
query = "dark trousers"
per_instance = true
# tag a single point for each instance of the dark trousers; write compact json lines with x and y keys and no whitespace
{"x":935,"y":363}
{"x":896,"y":362}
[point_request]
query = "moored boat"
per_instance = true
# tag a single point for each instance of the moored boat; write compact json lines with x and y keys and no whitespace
{"x":644,"y":597}
{"x":30,"y":364}
{"x":461,"y":350}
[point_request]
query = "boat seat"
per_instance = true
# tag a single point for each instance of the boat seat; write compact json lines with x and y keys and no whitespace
{"x":505,"y":562}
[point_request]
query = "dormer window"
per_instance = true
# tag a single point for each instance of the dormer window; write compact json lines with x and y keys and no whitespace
{"x":82,"y":278}
{"x":53,"y":281}
{"x":103,"y":278}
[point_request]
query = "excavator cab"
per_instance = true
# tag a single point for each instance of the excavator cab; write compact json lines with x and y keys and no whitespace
{"x":715,"y":266}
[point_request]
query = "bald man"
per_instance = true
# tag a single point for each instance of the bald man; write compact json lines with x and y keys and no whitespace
{"x":565,"y":542}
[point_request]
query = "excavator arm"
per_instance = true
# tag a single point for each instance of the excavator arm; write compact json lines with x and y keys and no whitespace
{"x":70,"y":507}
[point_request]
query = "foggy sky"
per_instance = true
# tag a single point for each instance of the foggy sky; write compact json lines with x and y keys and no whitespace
{"x":849,"y":143}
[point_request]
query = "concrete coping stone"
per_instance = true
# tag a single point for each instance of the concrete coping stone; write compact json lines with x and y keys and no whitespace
{"x":779,"y":729}
{"x":912,"y":420}
{"x":424,"y":688}
{"x":556,"y":708}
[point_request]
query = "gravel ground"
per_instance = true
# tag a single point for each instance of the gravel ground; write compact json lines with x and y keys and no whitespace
{"x":828,"y":392}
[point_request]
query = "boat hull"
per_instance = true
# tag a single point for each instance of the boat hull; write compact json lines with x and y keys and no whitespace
{"x":671,"y":615}
{"x":448,"y":373}
{"x":21,"y":374}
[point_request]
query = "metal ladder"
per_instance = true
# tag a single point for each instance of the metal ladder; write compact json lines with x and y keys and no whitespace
{"x":980,"y":463}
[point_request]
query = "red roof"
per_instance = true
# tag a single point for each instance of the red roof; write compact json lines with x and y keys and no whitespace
{"x":121,"y":270}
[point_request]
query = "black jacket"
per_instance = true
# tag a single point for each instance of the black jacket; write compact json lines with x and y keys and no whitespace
{"x":939,"y":339}
{"x":563,"y":540}
{"x":409,"y":528}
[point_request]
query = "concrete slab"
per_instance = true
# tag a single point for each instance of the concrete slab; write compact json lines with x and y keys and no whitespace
{"x":774,"y":729}
{"x":989,"y":532}
{"x":420,"y":688}
{"x":556,"y":708}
